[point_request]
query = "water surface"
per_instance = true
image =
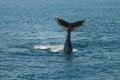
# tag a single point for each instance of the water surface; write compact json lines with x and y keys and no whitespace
{"x":31,"y":42}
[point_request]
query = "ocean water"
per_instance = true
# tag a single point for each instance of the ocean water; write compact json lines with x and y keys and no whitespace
{"x":31,"y":43}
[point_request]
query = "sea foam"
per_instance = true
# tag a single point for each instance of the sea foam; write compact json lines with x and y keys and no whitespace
{"x":52,"y":48}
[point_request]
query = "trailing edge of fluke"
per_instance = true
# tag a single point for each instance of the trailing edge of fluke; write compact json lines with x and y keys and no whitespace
{"x":69,"y":27}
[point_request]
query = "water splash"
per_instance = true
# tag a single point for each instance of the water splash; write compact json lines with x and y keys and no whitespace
{"x":52,"y":48}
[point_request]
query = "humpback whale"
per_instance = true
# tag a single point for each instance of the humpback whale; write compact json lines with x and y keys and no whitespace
{"x":69,"y":27}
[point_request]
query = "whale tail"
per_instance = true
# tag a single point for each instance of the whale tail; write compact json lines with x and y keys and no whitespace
{"x":69,"y":26}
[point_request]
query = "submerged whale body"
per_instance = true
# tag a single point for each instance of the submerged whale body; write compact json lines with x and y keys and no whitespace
{"x":69,"y":27}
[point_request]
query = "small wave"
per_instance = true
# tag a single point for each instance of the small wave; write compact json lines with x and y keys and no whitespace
{"x":53,"y":48}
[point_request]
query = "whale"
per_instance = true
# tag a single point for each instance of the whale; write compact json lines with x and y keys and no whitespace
{"x":68,"y":27}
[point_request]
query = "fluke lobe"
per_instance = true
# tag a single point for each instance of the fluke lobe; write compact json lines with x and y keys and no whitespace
{"x":69,"y":27}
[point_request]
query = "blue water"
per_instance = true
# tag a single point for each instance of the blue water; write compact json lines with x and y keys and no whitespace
{"x":31,"y":42}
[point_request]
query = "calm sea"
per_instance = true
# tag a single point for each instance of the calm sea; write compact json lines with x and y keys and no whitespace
{"x":31,"y":43}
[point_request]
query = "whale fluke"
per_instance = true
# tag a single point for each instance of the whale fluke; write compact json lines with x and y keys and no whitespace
{"x":68,"y":27}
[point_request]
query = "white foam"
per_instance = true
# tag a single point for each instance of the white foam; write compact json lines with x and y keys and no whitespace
{"x":75,"y":50}
{"x":53,"y":48}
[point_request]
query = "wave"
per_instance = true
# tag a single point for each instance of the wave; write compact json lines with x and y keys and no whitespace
{"x":52,"y":48}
